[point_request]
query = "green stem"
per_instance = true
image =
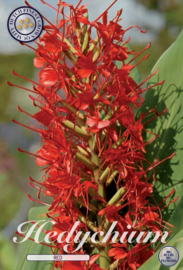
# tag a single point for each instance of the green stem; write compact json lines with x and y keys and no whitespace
{"x":88,"y":163}
{"x":109,"y":181}
{"x":82,"y":151}
{"x":77,"y":131}
{"x":104,"y":260}
{"x":91,"y":206}
{"x":117,"y":196}
{"x":104,"y":176}
{"x":96,"y":245}
{"x":113,"y":266}
{"x":71,"y":57}
{"x":73,"y":110}
{"x":89,"y":223}
{"x":86,"y":176}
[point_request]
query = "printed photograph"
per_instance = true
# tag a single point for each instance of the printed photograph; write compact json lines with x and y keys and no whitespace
{"x":91,"y":135}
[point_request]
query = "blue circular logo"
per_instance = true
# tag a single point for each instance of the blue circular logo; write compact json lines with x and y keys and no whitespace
{"x":168,"y":256}
{"x":25,"y":24}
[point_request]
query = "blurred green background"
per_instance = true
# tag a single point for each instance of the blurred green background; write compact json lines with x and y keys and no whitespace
{"x":16,"y":167}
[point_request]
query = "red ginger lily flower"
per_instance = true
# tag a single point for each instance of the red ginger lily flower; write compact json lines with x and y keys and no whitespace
{"x":48,"y":77}
{"x":90,"y":137}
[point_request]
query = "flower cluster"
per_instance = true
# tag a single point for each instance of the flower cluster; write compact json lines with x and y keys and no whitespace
{"x":92,"y":152}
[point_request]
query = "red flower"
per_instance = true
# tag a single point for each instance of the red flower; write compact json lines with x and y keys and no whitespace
{"x":73,"y":266}
{"x":43,"y":117}
{"x":48,"y":76}
{"x":96,"y":125}
{"x":118,"y":252}
{"x":39,"y":62}
{"x":86,"y":65}
{"x":90,"y":137}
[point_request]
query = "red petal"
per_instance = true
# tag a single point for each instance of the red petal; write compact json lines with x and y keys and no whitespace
{"x":72,"y":266}
{"x":117,"y":253}
{"x":50,"y":47}
{"x":83,"y":73}
{"x":48,"y":77}
{"x":39,"y":62}
{"x":151,"y":216}
{"x":104,"y":18}
{"x":64,"y":4}
{"x":96,"y":267}
{"x":82,"y":20}
{"x":43,"y":117}
{"x":91,"y":122}
{"x":93,"y":259}
{"x":133,"y":266}
{"x":41,"y":162}
{"x":103,"y":124}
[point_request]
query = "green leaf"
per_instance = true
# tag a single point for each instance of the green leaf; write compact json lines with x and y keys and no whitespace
{"x":29,"y":247}
{"x":7,"y":254}
{"x":169,"y":126}
{"x":177,"y":242}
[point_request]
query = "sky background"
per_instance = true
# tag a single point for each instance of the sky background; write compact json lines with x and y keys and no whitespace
{"x":133,"y":13}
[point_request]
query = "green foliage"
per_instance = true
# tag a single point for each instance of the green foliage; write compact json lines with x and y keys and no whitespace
{"x":22,"y":64}
{"x":11,"y":177}
{"x":7,"y":254}
{"x":29,"y":247}
{"x":171,"y":12}
{"x":169,"y":126}
{"x":11,"y":195}
{"x":177,"y":242}
{"x":158,"y":47}
{"x":10,"y":199}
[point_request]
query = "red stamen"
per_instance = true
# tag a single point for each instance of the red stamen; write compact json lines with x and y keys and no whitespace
{"x":160,"y":83}
{"x":105,"y":11}
{"x":157,"y":115}
{"x":16,"y":122}
{"x":26,"y":89}
{"x":78,"y":4}
{"x":171,"y":193}
{"x":17,"y":75}
{"x":141,"y":31}
{"x":156,"y":164}
{"x":34,"y":240}
{"x":34,"y":155}
{"x":28,"y":46}
{"x":144,"y":58}
{"x":150,"y":132}
{"x":42,"y":16}
{"x":34,"y":200}
{"x":172,"y":201}
{"x":139,"y":53}
{"x":154,"y":73}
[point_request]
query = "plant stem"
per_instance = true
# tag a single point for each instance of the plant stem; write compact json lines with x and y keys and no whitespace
{"x":113,"y":266}
{"x":104,"y":260}
{"x":115,"y":173}
{"x":89,"y":164}
{"x":117,"y":196}
{"x":77,"y":131}
{"x":89,"y":223}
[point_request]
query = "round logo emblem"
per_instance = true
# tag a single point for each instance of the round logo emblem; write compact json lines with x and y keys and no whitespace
{"x":25,"y":24}
{"x":168,"y":256}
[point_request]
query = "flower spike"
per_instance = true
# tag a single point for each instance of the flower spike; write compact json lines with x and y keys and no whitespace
{"x":92,"y":149}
